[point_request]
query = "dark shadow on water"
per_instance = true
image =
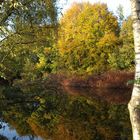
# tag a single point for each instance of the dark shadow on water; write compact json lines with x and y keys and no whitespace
{"x":65,"y":114}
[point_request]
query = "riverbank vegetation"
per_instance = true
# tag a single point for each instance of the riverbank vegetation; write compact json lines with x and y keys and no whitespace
{"x":87,"y":42}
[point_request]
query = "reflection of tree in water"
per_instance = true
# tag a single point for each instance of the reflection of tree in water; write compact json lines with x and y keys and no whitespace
{"x":62,"y":116}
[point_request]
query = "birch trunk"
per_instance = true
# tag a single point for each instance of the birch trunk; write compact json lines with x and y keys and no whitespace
{"x":134,"y":104}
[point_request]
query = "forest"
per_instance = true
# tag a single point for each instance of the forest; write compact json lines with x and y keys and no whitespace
{"x":37,"y":42}
{"x":69,"y":75}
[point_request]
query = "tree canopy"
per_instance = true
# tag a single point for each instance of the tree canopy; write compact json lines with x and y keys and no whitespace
{"x":87,"y":35}
{"x":87,"y":39}
{"x":27,"y":29}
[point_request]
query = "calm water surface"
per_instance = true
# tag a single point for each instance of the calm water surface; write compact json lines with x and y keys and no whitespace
{"x":36,"y":113}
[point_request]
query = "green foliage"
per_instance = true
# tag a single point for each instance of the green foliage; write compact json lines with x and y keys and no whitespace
{"x":137,"y":81}
{"x":126,"y":33}
{"x":30,"y":28}
{"x":124,"y":58}
{"x":44,"y":11}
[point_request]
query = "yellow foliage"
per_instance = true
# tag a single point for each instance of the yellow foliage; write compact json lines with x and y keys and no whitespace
{"x":42,"y":62}
{"x":108,"y":40}
{"x":84,"y":28}
{"x":85,"y":24}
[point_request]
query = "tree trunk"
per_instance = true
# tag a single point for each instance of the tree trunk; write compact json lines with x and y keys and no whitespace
{"x":134,"y":104}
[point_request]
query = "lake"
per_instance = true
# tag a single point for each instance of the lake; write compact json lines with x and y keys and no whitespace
{"x":37,"y":113}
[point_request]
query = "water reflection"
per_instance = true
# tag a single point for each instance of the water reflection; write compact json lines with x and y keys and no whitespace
{"x":34,"y":113}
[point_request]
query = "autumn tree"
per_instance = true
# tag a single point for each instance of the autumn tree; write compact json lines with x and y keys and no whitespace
{"x":27,"y":29}
{"x":88,"y":34}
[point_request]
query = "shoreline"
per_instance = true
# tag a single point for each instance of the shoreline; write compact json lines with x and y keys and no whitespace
{"x":116,"y":79}
{"x":111,"y":80}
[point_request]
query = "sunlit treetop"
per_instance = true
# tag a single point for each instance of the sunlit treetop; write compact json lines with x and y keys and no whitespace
{"x":88,"y":34}
{"x":86,"y":23}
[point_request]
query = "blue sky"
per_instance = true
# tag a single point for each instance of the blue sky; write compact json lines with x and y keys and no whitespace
{"x":112,"y":4}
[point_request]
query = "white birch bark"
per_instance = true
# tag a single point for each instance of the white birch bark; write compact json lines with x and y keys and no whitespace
{"x":134,"y":104}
